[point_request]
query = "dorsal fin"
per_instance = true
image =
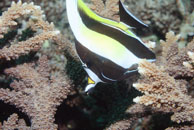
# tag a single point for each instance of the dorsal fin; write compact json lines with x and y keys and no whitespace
{"x":128,"y":18}
{"x":87,"y":11}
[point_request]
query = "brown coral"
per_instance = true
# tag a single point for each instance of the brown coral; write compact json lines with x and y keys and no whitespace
{"x":163,"y":91}
{"x":44,"y":29}
{"x":36,"y":92}
{"x":173,"y":57}
{"x":165,"y":82}
{"x":181,"y":128}
{"x":109,"y":9}
{"x":13,"y":123}
{"x":120,"y":125}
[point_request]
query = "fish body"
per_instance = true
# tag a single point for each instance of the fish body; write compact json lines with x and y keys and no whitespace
{"x":108,"y":50}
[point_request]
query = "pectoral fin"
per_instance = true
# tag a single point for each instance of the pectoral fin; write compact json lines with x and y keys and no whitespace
{"x":91,"y":84}
{"x":128,"y":18}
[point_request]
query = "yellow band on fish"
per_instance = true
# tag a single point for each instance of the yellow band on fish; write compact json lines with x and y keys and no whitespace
{"x":90,"y":81}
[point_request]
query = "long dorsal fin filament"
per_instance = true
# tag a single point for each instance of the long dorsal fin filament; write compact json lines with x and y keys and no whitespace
{"x":128,"y":18}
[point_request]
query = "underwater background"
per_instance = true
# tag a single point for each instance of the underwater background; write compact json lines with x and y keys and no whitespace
{"x":42,"y":80}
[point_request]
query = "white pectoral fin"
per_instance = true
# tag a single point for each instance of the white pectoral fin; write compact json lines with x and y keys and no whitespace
{"x":92,"y":79}
{"x":89,"y":86}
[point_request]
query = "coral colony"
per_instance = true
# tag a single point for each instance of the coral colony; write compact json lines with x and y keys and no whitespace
{"x":42,"y":80}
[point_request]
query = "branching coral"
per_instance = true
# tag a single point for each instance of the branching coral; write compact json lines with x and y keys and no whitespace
{"x":24,"y":47}
{"x":36,"y":93}
{"x":181,"y":128}
{"x":120,"y":125}
{"x":36,"y":22}
{"x":173,"y":57}
{"x":163,"y":91}
{"x":163,"y":83}
{"x":13,"y":123}
{"x":35,"y":90}
{"x":54,"y":10}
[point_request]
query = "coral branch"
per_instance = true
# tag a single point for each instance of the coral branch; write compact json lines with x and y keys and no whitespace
{"x":120,"y":125}
{"x":173,"y":57}
{"x":15,"y":11}
{"x":164,"y":92}
{"x":24,"y":47}
{"x":181,"y":128}
{"x":109,"y":10}
{"x":36,"y":93}
{"x":44,"y":30}
{"x":13,"y":123}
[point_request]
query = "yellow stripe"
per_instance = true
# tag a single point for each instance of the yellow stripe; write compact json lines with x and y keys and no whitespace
{"x":92,"y":15}
{"x":101,"y":43}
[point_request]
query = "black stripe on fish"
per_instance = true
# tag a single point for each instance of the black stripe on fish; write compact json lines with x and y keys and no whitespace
{"x":131,"y":43}
{"x":129,"y":19}
{"x":105,"y":69}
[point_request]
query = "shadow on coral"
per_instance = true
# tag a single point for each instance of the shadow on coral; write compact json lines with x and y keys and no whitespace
{"x":7,"y":110}
{"x":71,"y":118}
{"x":22,"y":59}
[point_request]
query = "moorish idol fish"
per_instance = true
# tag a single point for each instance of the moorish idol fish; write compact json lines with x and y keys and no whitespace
{"x":108,"y":50}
